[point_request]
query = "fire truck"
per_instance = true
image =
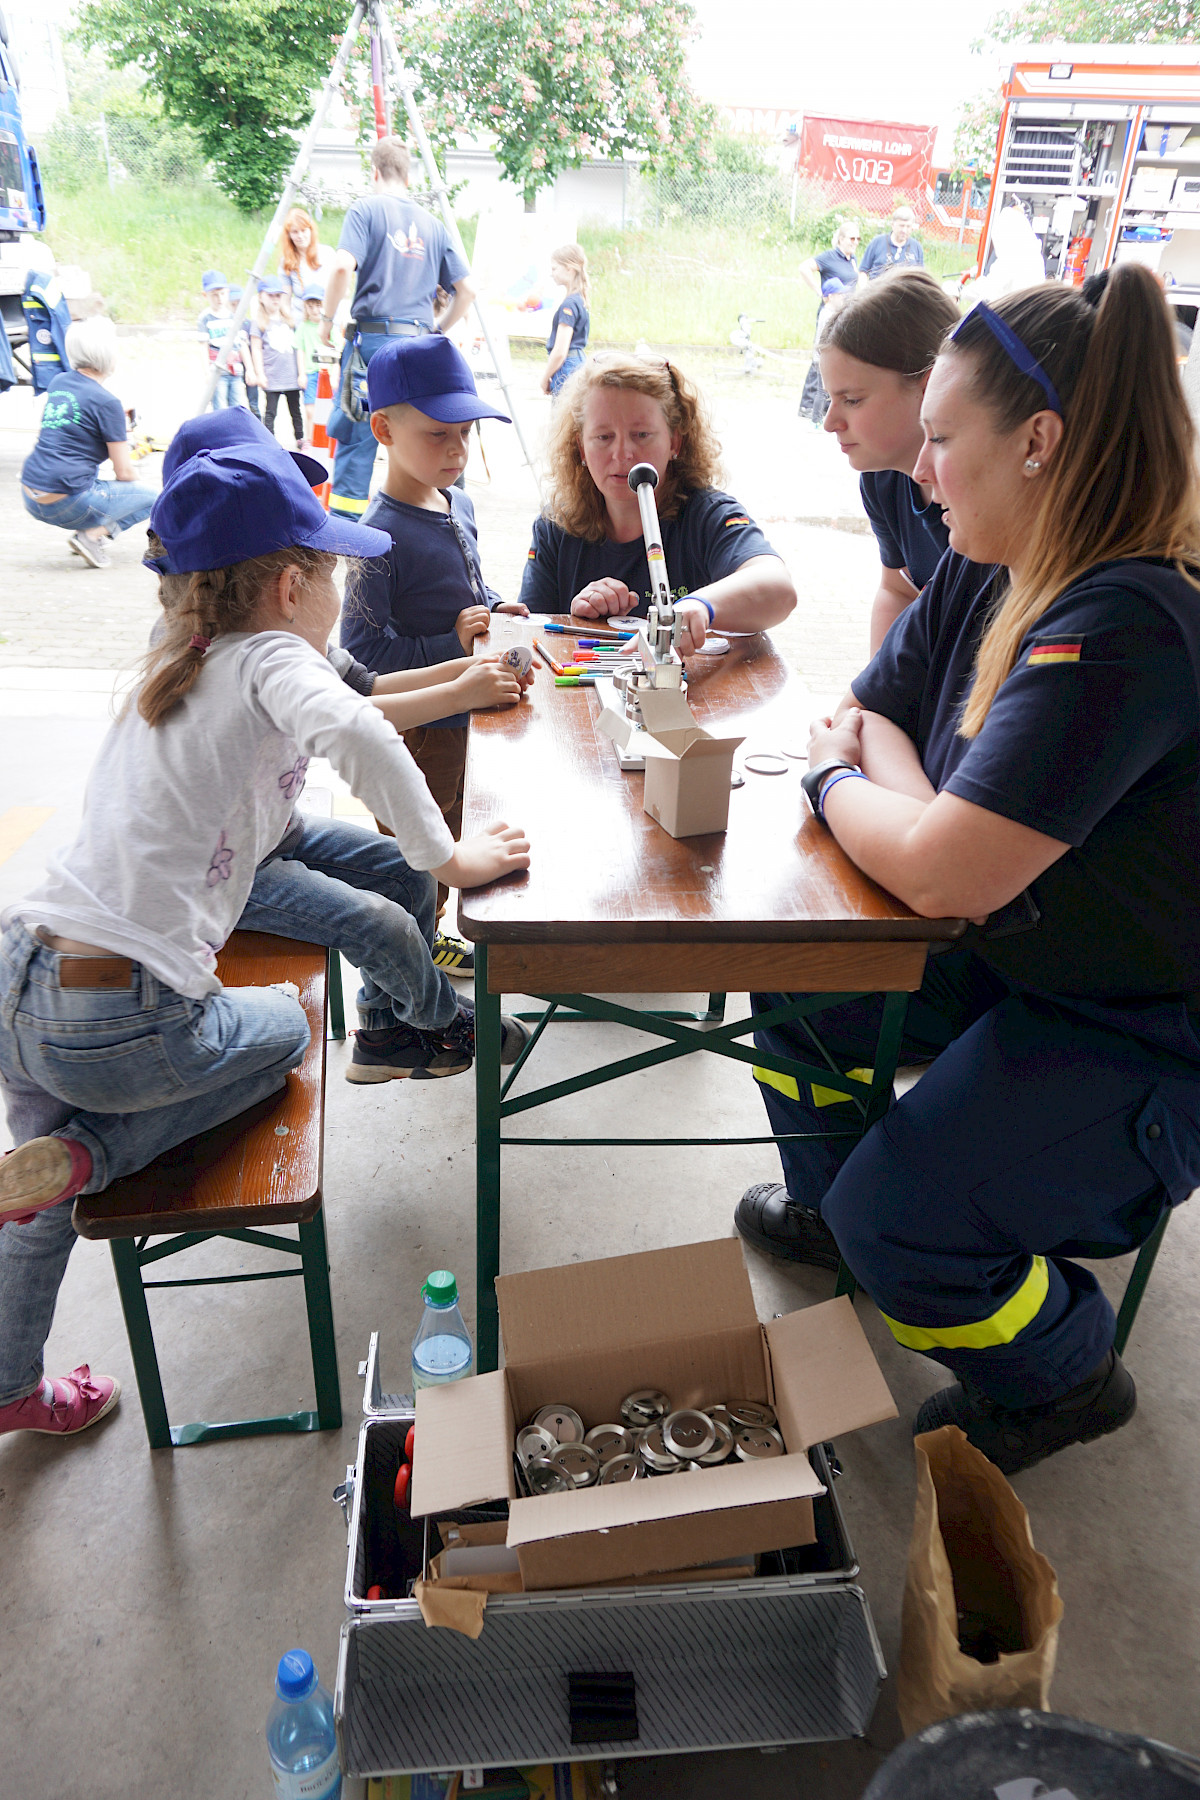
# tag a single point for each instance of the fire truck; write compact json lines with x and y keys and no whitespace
{"x":22,"y":212}
{"x":1104,"y":157}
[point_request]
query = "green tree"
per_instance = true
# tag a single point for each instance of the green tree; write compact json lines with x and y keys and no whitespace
{"x":555,"y":81}
{"x":975,"y":134}
{"x":1098,"y":22}
{"x":241,"y":73}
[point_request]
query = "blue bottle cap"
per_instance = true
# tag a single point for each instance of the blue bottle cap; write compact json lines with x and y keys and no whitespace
{"x":296,"y":1677}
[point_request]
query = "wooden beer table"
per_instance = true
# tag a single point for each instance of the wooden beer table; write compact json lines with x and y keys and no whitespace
{"x":612,"y":905}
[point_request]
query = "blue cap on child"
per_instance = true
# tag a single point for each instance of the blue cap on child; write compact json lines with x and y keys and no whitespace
{"x":833,"y":286}
{"x":273,"y":284}
{"x":430,"y":374}
{"x":212,"y":278}
{"x":223,"y":506}
{"x":313,"y":292}
{"x":220,"y":430}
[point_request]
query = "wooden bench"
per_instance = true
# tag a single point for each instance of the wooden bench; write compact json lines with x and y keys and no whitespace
{"x":262,"y":1168}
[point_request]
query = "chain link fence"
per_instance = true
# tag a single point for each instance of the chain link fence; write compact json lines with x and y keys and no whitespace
{"x":116,"y":149}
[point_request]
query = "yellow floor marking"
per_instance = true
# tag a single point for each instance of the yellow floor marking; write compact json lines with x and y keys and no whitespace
{"x":18,"y":824}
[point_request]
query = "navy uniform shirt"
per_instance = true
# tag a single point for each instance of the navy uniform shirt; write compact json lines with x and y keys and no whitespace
{"x":574,"y":313}
{"x":712,"y":536}
{"x":1093,"y":739}
{"x":403,"y":255}
{"x":835,"y":265}
{"x":79,"y":421}
{"x":881,"y":254}
{"x":400,"y":610}
{"x":910,"y":532}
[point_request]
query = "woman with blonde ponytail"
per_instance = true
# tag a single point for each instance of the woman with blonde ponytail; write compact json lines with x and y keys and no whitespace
{"x":1026,"y":758}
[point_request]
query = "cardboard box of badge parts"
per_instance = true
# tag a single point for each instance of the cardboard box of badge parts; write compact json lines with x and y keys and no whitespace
{"x":680,"y":1320}
{"x":687,"y":770}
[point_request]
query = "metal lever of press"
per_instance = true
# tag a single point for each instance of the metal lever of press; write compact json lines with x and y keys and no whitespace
{"x":663,"y":625}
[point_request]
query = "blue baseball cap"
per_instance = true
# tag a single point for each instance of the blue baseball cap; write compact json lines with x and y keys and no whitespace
{"x":313,"y":292}
{"x":212,"y":278}
{"x":430,"y":374}
{"x":235,"y":293}
{"x":273,"y":284}
{"x":221,"y":430}
{"x":224,"y":506}
{"x":833,"y":286}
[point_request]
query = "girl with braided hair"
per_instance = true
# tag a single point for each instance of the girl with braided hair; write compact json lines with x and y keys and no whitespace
{"x":117,"y":1040}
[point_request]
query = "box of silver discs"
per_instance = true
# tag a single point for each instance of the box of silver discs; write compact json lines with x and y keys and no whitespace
{"x":621,"y":1372}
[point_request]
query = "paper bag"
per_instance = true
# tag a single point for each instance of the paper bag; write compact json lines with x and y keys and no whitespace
{"x":981,"y":1606}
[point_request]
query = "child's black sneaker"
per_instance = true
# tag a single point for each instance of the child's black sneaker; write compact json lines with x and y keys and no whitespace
{"x":457,"y":1041}
{"x":395,"y":1054}
{"x":453,"y":955}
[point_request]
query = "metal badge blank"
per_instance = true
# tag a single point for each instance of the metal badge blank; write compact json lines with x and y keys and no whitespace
{"x":562,"y":1422}
{"x":621,"y":1468}
{"x":754,"y":1442}
{"x":751,"y":1412}
{"x":545,"y":1478}
{"x":579,"y":1461}
{"x":722,"y":1450}
{"x":613,"y":1439}
{"x":689,"y":1434}
{"x":654,"y":1453}
{"x":713,"y":646}
{"x":645,"y":1406}
{"x":533,"y":1441}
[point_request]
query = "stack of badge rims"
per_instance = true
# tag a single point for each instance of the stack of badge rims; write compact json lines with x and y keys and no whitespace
{"x":556,"y":1452}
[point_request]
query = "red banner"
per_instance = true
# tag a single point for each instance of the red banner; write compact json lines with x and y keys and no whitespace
{"x":873,"y":155}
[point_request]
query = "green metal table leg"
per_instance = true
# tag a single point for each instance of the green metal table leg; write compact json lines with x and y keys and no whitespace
{"x":337,"y":1010}
{"x":487,"y":1165}
{"x":1138,"y":1282}
{"x":141,"y":1342}
{"x":314,"y":1255}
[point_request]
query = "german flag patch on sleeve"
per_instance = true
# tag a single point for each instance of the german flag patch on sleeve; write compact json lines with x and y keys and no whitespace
{"x":1055,"y":650}
{"x":739,"y":520}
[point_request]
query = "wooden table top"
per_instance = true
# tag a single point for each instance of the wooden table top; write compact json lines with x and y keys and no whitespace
{"x":262,"y":1167}
{"x":603,"y":872}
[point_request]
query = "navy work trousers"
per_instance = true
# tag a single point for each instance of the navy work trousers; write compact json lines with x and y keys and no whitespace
{"x":1044,"y":1129}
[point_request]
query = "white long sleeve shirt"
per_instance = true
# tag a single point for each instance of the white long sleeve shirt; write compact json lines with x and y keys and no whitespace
{"x":178,"y":816}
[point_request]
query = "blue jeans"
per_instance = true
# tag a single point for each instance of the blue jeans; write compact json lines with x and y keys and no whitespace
{"x":69,"y":1057}
{"x":227,"y":392}
{"x":349,"y":887}
{"x":114,"y":504}
{"x":561,"y":376}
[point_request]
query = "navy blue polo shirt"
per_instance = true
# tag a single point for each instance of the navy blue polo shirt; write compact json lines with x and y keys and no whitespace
{"x":403,"y":255}
{"x":1093,"y":739}
{"x":711,"y":536}
{"x":79,"y":421}
{"x":835,"y":265}
{"x":910,"y":531}
{"x":881,"y":254}
{"x":400,"y":609}
{"x":574,"y":313}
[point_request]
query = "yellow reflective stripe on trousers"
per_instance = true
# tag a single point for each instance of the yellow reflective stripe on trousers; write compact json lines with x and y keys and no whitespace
{"x":786,"y":1084}
{"x":822,"y":1096}
{"x":983,"y":1334}
{"x":349,"y":503}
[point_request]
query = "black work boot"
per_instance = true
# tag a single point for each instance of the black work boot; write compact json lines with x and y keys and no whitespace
{"x":1015,"y":1440}
{"x":768,"y":1217}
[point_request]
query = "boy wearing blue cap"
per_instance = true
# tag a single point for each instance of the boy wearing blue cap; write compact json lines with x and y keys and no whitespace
{"x":117,"y":1040}
{"x":426,"y":601}
{"x":308,"y":340}
{"x":214,"y":325}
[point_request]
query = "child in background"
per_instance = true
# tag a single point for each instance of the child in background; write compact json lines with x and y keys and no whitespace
{"x":308,"y":338}
{"x":572,"y":321}
{"x":214,"y":325}
{"x":278,"y":367}
{"x":243,"y":360}
{"x":425,"y":602}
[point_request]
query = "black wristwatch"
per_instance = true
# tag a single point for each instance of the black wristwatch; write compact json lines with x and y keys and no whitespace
{"x":811,"y":783}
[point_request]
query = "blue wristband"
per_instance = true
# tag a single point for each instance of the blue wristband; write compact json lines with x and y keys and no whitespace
{"x":840,"y":775}
{"x":706,"y":604}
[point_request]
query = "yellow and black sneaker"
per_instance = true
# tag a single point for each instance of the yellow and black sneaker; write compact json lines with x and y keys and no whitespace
{"x":451,"y":954}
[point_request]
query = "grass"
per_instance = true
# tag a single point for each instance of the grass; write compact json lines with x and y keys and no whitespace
{"x":146,"y":247}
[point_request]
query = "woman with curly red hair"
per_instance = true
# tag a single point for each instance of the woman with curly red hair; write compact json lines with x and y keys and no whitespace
{"x":304,"y":261}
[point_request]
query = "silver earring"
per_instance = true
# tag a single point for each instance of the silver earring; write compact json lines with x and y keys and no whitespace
{"x":1032,"y":465}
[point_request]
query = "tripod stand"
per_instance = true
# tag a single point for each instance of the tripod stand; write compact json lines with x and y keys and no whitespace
{"x":385,"y":57}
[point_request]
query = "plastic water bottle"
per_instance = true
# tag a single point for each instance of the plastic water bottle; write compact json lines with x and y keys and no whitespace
{"x":442,"y":1349}
{"x":300,"y":1734}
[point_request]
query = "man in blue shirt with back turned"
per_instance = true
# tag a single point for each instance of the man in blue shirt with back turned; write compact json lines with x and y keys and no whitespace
{"x":402,"y":255}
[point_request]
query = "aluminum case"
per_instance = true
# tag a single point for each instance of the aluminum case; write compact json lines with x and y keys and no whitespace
{"x":790,"y":1656}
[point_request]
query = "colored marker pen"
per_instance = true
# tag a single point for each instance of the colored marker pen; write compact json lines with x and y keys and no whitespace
{"x":574,"y":681}
{"x":547,"y":658}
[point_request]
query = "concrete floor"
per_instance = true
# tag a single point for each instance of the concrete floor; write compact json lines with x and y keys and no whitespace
{"x":144,"y":1599}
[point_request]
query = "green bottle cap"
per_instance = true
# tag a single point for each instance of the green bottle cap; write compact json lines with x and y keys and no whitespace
{"x":441,"y":1288}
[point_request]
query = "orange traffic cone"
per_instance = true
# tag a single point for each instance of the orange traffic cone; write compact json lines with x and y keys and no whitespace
{"x":321,"y":410}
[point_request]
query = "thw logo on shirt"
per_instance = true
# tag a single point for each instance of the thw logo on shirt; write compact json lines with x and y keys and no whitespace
{"x":409,"y":243}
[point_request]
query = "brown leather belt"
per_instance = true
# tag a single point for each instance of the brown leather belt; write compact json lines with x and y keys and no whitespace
{"x":94,"y":971}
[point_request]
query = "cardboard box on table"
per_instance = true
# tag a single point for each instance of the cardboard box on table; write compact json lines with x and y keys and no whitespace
{"x":682,"y":1320}
{"x":687,"y":770}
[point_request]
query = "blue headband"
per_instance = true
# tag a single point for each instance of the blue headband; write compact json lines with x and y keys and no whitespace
{"x":1018,"y":353}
